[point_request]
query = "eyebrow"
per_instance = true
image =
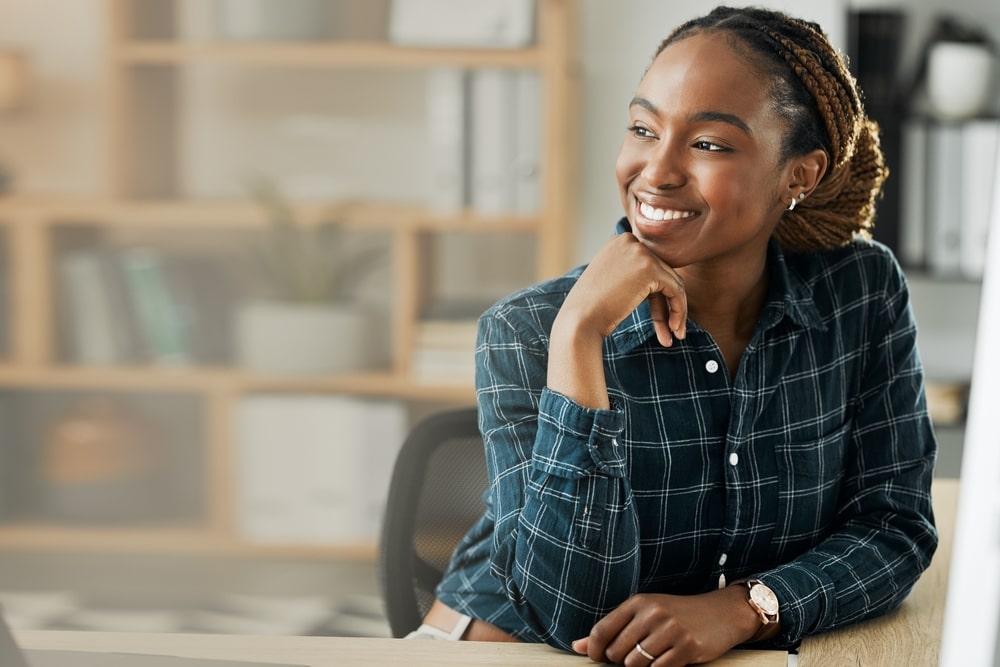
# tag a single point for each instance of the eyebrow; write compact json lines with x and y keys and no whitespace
{"x":700,"y":116}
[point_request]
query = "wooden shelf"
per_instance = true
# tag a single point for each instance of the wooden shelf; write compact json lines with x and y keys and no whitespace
{"x":152,"y":95}
{"x":154,"y":379}
{"x":236,"y":215}
{"x":344,"y":55}
{"x":167,"y":540}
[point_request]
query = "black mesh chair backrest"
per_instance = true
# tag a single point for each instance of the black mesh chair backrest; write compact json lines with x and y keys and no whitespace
{"x":435,"y":496}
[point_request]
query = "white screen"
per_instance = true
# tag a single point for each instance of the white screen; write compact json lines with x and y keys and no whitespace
{"x":972,"y":611}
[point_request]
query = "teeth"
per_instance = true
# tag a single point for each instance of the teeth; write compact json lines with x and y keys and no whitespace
{"x":662,"y":214}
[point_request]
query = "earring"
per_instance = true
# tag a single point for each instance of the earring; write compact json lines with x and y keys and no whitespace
{"x":791,"y":205}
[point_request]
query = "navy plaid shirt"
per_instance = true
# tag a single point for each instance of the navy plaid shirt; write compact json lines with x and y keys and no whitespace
{"x":811,"y":470}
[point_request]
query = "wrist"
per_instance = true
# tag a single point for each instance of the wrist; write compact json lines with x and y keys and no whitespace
{"x":576,"y":363}
{"x":746,"y":622}
{"x":761,"y":601}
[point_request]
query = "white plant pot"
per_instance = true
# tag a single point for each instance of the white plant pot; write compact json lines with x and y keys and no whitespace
{"x":273,"y":19}
{"x":303,"y":339}
{"x":959,"y":79}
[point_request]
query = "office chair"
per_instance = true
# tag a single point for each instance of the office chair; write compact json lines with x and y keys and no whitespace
{"x":435,"y":496}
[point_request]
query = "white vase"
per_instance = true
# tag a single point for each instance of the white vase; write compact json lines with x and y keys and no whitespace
{"x":303,"y":339}
{"x":274,"y":19}
{"x":959,"y":79}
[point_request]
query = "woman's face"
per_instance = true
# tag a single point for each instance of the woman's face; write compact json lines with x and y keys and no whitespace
{"x":699,"y":171}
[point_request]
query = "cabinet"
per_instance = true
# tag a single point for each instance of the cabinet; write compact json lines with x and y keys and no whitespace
{"x":151,"y":54}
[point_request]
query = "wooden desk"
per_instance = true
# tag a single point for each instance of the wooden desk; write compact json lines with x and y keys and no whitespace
{"x":340,"y":651}
{"x":911,"y":635}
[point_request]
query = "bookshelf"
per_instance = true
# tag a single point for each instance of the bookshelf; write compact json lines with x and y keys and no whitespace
{"x":148,"y":53}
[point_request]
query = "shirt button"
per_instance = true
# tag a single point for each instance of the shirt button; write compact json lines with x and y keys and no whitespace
{"x":723,"y":558}
{"x":614,"y":442}
{"x":734,"y":458}
{"x":711,"y":365}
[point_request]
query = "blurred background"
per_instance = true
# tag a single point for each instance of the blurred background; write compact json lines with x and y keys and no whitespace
{"x":243,"y":246}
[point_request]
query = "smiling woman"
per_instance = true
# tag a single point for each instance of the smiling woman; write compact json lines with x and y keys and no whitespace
{"x":714,"y":433}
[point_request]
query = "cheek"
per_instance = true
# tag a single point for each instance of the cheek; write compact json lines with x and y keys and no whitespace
{"x":627,"y":167}
{"x":741,"y":188}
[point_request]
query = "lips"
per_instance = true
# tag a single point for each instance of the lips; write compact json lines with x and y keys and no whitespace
{"x":658,"y":214}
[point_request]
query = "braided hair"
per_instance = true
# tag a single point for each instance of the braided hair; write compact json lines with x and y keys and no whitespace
{"x":815,"y":93}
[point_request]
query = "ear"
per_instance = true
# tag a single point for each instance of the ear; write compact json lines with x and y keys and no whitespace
{"x":806,"y":171}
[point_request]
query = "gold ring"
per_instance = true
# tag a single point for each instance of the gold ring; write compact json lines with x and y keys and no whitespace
{"x":643,"y":652}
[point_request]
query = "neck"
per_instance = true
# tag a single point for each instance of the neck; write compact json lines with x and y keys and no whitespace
{"x":726,"y":302}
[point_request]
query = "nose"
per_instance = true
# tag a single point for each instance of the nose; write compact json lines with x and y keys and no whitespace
{"x":664,"y":168}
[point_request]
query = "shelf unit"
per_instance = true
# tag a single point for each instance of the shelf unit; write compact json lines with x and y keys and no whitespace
{"x":29,"y":227}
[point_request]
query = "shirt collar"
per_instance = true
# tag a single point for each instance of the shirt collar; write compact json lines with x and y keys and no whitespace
{"x":788,"y":295}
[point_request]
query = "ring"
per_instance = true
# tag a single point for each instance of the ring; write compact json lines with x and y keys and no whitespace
{"x":643,"y":652}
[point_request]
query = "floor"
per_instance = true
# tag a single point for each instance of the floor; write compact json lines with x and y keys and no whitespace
{"x":191,"y":594}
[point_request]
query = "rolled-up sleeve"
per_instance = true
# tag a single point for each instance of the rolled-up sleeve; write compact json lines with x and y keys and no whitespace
{"x":565,"y":545}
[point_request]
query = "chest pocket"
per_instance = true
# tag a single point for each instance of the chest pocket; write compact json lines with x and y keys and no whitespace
{"x":809,"y":476}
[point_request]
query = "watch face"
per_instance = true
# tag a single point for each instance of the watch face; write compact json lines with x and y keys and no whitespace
{"x":764,"y":598}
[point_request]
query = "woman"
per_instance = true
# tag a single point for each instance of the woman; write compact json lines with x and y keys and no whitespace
{"x":715,"y":434}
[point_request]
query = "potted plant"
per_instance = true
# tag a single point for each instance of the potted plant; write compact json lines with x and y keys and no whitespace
{"x":310,"y":320}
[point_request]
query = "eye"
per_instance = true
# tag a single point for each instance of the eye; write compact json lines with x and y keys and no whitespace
{"x":641,"y":132}
{"x":711,"y":147}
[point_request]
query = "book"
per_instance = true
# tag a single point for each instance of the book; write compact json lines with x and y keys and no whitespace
{"x":161,"y":318}
{"x":443,"y":366}
{"x":979,"y":143}
{"x":93,"y":319}
{"x":914,"y":199}
{"x":447,"y":139}
{"x":448,"y":333}
{"x":527,"y":158}
{"x":944,"y":205}
{"x":460,"y":23}
{"x":492,"y":141}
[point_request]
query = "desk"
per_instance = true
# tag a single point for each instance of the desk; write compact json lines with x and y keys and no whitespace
{"x":911,"y":635}
{"x":340,"y":651}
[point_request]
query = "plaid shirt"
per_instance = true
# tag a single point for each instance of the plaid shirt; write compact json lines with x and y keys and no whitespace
{"x":810,"y":471}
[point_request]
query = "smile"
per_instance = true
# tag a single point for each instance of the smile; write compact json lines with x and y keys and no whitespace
{"x":662,"y":213}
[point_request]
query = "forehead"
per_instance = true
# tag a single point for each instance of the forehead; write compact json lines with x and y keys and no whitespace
{"x":706,"y":72}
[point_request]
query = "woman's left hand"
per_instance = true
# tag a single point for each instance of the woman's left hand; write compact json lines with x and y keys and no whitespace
{"x":674,"y":629}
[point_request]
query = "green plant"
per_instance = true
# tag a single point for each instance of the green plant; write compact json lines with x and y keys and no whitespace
{"x":321,"y":262}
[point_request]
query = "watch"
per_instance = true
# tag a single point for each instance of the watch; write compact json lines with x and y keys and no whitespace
{"x":763,"y":601}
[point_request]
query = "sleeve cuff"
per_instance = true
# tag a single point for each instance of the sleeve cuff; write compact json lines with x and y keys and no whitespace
{"x":807,"y":600}
{"x":574,"y":441}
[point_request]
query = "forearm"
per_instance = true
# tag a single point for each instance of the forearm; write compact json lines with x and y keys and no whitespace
{"x":567,"y":546}
{"x":576,"y":363}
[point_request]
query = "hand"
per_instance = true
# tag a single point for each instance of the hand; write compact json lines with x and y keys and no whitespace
{"x":676,"y":630}
{"x":617,"y":280}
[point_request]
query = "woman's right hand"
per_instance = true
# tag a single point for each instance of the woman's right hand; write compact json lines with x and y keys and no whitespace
{"x":622,"y":274}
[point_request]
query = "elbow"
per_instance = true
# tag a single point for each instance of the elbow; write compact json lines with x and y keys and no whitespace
{"x":552,"y":617}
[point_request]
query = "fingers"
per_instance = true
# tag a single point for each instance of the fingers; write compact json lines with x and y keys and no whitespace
{"x":622,"y":275}
{"x":669,"y":317}
{"x":608,"y":638}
